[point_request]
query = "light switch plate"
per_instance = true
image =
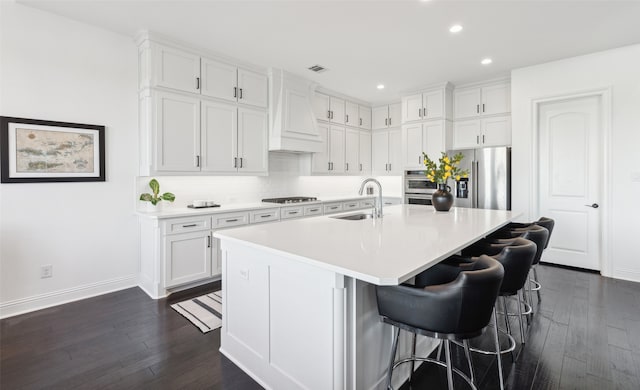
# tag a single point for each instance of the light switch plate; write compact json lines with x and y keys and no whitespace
{"x":244,"y":273}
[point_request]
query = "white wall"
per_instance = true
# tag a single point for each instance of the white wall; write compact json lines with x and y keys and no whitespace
{"x":56,"y":69}
{"x":620,"y":70}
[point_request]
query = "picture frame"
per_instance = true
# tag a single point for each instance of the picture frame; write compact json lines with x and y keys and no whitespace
{"x":39,"y":151}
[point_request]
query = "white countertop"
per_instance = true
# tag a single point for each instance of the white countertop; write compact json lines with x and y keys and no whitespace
{"x":175,"y":212}
{"x":387,"y":251}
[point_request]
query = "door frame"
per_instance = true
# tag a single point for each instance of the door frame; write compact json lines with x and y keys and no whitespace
{"x":605,"y":93}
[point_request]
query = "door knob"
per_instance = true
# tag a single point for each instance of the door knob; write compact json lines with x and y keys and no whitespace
{"x":595,"y":205}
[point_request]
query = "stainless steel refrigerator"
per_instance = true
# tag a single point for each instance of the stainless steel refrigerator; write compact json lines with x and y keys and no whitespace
{"x":489,"y":184}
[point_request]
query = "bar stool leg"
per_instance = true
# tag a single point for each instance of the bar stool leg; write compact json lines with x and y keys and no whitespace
{"x":506,"y":320}
{"x":413,"y":356}
{"x":535,"y":276}
{"x":439,"y":355}
{"x":447,"y":352}
{"x":520,"y":318}
{"x":392,"y":359}
{"x":497,"y":343}
{"x":465,"y":343}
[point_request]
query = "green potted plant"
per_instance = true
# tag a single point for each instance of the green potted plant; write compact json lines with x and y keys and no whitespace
{"x":440,"y":172}
{"x":155,"y":198}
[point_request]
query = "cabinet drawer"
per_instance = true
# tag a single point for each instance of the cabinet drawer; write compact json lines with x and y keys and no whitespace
{"x":352,"y":205}
{"x":188,"y":224}
{"x":268,"y":215}
{"x":367,"y":203}
{"x":229,"y":219}
{"x":313,"y":210}
{"x":331,"y":208}
{"x":292,"y":212}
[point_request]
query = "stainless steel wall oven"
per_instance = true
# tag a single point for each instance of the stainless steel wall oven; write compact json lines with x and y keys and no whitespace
{"x":417,"y":189}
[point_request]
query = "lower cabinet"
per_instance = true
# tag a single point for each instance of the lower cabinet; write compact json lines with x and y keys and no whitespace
{"x":188,"y":257}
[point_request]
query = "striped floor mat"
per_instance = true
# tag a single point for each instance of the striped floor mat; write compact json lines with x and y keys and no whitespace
{"x":205,"y":311}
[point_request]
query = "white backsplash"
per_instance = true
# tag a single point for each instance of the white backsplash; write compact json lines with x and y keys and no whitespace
{"x":289,"y":175}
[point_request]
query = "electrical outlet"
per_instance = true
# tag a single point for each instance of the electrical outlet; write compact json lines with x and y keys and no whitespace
{"x":46,"y":271}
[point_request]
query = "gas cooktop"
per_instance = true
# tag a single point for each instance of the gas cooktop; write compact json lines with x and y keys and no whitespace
{"x":291,"y":199}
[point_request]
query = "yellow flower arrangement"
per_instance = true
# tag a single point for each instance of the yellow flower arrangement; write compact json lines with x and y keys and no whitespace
{"x":446,"y":168}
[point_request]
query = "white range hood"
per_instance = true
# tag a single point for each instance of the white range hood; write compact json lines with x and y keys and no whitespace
{"x":293,"y":126}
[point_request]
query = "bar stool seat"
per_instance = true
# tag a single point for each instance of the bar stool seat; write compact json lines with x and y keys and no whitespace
{"x":447,"y":302}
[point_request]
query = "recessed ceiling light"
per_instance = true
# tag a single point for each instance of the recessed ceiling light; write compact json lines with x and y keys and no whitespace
{"x":380,"y":86}
{"x":486,"y":61}
{"x":456,"y":28}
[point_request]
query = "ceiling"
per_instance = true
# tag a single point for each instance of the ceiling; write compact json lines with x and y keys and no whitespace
{"x":401,"y":44}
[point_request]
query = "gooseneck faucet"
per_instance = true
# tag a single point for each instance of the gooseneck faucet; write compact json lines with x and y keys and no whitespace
{"x":377,"y":211}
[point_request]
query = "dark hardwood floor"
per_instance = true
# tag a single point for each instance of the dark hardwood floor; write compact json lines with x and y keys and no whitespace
{"x":585,"y":335}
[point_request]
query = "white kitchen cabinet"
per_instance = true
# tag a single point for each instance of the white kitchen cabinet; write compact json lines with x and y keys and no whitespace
{"x":477,"y":101}
{"x":177,"y":136}
{"x":386,"y":116}
{"x":387,"y":152}
{"x":337,"y":108}
{"x":291,"y":212}
{"x":352,"y":114}
{"x":329,"y":108}
{"x":252,"y":88}
{"x":352,"y":151}
{"x":234,"y":139}
{"x":332,"y":159}
{"x":432,"y":138}
{"x":176,"y":69}
{"x":364,"y":153}
{"x":479,"y":133}
{"x":187,"y":257}
{"x":365,"y":117}
{"x":424,"y":106}
{"x":219,"y":80}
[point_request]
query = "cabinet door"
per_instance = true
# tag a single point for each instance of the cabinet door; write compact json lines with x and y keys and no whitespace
{"x":352,"y":149}
{"x":380,"y":152}
{"x":216,"y":257}
{"x":177,"y":69}
{"x":320,"y":160}
{"x":496,"y":99}
{"x":496,"y":131}
{"x":321,"y":107}
{"x":395,"y":152}
{"x":434,"y":104}
{"x":337,"y":110}
{"x":434,"y":138}
{"x":219,"y":130}
{"x":466,"y":134}
{"x":365,"y":117}
{"x":336,"y":149}
{"x":219,"y":80}
{"x":466,"y":103}
{"x":365,"y":153}
{"x":187,"y":257}
{"x":412,"y":145}
{"x":252,"y":88}
{"x":177,"y":146}
{"x":352,"y":117}
{"x":380,"y":117}
{"x":395,"y":115}
{"x":252,"y":141}
{"x":412,"y":108}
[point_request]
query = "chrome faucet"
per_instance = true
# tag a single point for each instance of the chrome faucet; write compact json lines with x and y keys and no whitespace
{"x":377,"y":210}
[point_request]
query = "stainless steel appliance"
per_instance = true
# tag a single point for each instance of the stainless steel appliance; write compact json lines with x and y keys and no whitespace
{"x":489,"y":184}
{"x":290,"y":199}
{"x":417,"y":188}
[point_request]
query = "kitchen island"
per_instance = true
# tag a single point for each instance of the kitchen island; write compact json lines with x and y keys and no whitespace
{"x":299,"y":308}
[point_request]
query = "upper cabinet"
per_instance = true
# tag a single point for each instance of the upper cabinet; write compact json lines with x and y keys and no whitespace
{"x":386,"y":116}
{"x":480,"y":133}
{"x":169,"y":67}
{"x":386,"y":150}
{"x":432,"y":104}
{"x":432,"y":138}
{"x":351,"y":116}
{"x":483,"y":100}
{"x":329,"y":108}
{"x":365,"y":117}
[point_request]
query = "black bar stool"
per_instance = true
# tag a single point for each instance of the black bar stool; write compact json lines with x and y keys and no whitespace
{"x":448,"y":302}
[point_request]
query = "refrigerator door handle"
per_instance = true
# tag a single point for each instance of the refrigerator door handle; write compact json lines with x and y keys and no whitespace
{"x":474,"y":174}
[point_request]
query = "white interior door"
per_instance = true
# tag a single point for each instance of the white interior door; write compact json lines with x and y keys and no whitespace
{"x":569,"y":176}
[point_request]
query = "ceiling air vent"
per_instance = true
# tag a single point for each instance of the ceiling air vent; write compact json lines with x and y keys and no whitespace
{"x":317,"y":68}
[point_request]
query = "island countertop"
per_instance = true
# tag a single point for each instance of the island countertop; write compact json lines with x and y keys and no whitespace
{"x":387,"y":251}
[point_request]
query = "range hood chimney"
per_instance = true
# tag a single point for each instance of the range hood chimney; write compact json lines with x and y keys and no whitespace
{"x":293,"y":125}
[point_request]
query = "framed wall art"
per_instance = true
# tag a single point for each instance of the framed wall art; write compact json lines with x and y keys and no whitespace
{"x":36,"y":151}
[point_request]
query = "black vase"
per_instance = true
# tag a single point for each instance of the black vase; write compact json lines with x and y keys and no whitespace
{"x":442,"y":199}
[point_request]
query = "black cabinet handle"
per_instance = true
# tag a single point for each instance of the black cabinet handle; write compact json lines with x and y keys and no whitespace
{"x":482,"y":107}
{"x":265,"y":216}
{"x":386,"y":121}
{"x":235,"y":162}
{"x":208,"y":241}
{"x":232,"y":220}
{"x":197,"y":161}
{"x":197,"y":82}
{"x":188,"y":226}
{"x":313,"y":210}
{"x":346,"y":118}
{"x":235,"y":92}
{"x":240,"y":93}
{"x":241,"y":162}
{"x":360,"y":121}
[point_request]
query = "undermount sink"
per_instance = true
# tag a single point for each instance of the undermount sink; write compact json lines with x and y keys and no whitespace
{"x":354,"y":217}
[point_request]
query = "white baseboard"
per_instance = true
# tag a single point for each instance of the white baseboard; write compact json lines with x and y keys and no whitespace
{"x":42,"y":301}
{"x":626,"y":274}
